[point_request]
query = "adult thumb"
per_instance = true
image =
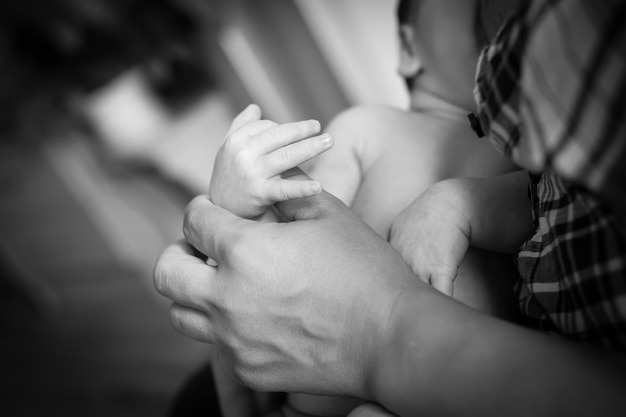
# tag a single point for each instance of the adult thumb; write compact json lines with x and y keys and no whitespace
{"x":309,"y":208}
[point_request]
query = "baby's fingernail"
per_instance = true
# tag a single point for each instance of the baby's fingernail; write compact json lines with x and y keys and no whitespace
{"x":316,"y":187}
{"x":326,"y":141}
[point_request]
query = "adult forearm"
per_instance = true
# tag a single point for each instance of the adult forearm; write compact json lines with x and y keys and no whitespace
{"x":442,"y":358}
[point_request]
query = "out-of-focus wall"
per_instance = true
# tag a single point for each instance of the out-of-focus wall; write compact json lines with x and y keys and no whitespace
{"x":358,"y":39}
{"x":309,"y":59}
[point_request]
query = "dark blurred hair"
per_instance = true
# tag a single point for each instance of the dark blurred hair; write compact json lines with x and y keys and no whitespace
{"x":52,"y":50}
{"x":403,"y":11}
{"x":406,"y":11}
{"x":404,"y":15}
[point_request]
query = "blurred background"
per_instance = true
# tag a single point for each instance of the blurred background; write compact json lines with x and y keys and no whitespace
{"x":111,"y":112}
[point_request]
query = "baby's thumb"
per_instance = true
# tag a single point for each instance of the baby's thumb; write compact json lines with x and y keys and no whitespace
{"x":251,"y":113}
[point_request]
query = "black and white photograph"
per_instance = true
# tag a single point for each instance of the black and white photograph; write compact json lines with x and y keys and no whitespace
{"x":312,"y":208}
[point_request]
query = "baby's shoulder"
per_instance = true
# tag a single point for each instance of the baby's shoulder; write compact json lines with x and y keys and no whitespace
{"x":369,"y":116}
{"x":365,"y":127}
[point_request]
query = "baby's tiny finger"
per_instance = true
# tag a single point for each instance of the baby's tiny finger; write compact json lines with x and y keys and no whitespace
{"x":285,"y":134}
{"x":295,"y":154}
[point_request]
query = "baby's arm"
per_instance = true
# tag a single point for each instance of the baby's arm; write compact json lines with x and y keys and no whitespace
{"x":341,"y":170}
{"x":247,"y":176}
{"x":434,"y":233}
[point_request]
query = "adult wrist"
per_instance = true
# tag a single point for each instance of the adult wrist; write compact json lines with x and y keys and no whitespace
{"x":414,"y":350}
{"x":392,"y":372}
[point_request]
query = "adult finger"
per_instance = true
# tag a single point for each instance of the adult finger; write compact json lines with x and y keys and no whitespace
{"x":192,"y":323}
{"x":183,"y":277}
{"x":295,"y":154}
{"x":281,"y":135}
{"x":212,"y":229}
{"x":250,"y":113}
{"x":370,"y":410}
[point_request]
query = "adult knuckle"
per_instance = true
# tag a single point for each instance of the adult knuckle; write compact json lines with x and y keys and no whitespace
{"x":177,"y":319}
{"x":248,"y":377}
{"x":194,"y":205}
{"x":243,"y":376}
{"x":190,"y":217}
{"x":164,"y":271}
{"x":160,"y":276}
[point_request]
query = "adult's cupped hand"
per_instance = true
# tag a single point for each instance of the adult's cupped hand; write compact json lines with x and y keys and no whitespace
{"x":295,"y":306}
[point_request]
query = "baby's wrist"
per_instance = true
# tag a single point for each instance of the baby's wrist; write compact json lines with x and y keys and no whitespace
{"x":245,"y":210}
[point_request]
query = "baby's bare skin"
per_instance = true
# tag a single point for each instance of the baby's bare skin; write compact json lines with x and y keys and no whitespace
{"x":398,"y":155}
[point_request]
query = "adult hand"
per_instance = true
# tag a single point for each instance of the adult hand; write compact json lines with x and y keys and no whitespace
{"x":299,"y":306}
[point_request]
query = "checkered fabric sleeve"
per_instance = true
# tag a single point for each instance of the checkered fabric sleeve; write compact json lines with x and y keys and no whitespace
{"x":551,"y":94}
{"x":574,"y":106}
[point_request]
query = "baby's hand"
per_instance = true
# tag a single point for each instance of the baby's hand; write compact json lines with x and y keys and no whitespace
{"x":247,"y":173}
{"x":432,"y":235}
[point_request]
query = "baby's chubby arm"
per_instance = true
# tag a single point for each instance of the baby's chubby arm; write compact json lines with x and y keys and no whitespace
{"x":341,"y":171}
{"x":247,"y":176}
{"x":434,"y":232}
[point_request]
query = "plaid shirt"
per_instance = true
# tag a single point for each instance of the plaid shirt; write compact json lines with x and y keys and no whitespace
{"x":551,"y":94}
